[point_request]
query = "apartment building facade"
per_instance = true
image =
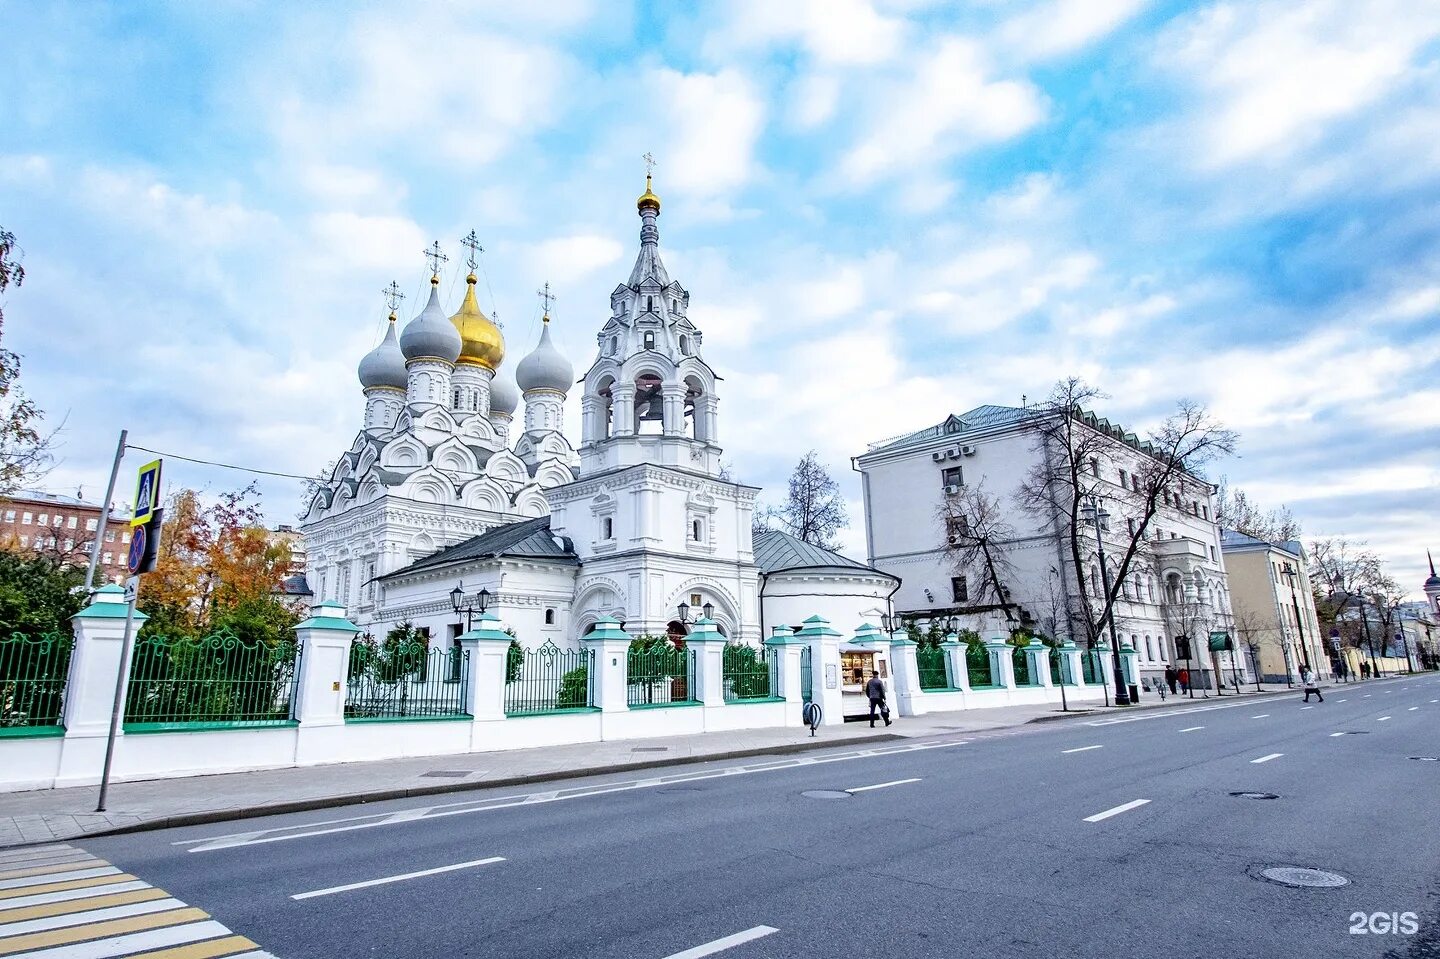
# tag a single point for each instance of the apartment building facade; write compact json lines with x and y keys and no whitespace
{"x":64,"y":527}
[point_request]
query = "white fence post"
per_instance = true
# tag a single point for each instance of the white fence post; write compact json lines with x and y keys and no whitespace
{"x":1070,"y":663}
{"x":789,"y":649}
{"x":825,"y":668}
{"x":1002,"y":665}
{"x":709,"y":661}
{"x":1039,"y":655}
{"x":324,"y":642}
{"x":487,"y":649}
{"x":90,"y":685}
{"x":909,"y":697}
{"x":959,"y":668}
{"x":609,"y":646}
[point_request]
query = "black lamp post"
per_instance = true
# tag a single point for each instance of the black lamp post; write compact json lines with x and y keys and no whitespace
{"x":470,"y":606}
{"x":684,"y":609}
{"x":1094,"y":513}
{"x":1291,"y":575}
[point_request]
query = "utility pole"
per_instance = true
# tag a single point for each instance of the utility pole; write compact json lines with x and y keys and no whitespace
{"x":105,"y":513}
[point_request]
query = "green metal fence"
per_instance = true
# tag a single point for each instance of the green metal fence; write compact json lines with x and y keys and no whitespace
{"x":550,"y":680}
{"x":977,"y":666}
{"x":661,"y":676}
{"x":749,"y":673}
{"x":930,"y":661}
{"x":406,"y":680}
{"x":1021,"y":658}
{"x":216,"y":680}
{"x":1056,"y":673}
{"x":33,"y":671}
{"x":1091,"y":668}
{"x":807,"y":677}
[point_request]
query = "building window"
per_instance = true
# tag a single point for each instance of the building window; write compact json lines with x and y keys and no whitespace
{"x":696,"y":530}
{"x":24,"y":541}
{"x":91,"y":525}
{"x":959,"y":590}
{"x":1212,"y":554}
{"x":1130,"y":525}
{"x":9,"y":516}
{"x":74,"y":522}
{"x":125,"y":536}
{"x":69,"y":544}
{"x":649,"y":340}
{"x":607,"y":528}
{"x":1149,"y":650}
{"x":1134,"y":482}
{"x":42,"y":519}
{"x":25,"y":518}
{"x":952,"y":476}
{"x":1123,"y":478}
{"x":108,"y":558}
{"x":1094,"y":466}
{"x":685,"y":345}
{"x":649,"y":304}
{"x":1150,"y":588}
{"x":549,"y":617}
{"x":109,"y":536}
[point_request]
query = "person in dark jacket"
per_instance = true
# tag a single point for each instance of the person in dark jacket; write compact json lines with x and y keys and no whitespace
{"x":1172,"y":677}
{"x":875,"y":692}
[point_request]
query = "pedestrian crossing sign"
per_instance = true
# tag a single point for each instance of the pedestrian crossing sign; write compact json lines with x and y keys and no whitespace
{"x":147,"y":493}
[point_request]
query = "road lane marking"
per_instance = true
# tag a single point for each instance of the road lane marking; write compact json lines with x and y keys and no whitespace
{"x":1412,"y":709}
{"x":1333,"y":735}
{"x":384,"y":880}
{"x":1342,"y":700}
{"x":1261,"y":716}
{"x":1191,"y":729}
{"x":1117,"y":810}
{"x":1382,"y":719}
{"x":1080,"y":749}
{"x":729,"y":942}
{"x":1366,"y":696}
{"x":1307,"y":707}
{"x":1165,"y":713}
{"x":897,"y":782}
{"x":58,"y":877}
{"x":373,"y":820}
{"x":1265,"y":759}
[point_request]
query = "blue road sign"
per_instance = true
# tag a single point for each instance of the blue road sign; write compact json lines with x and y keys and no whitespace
{"x":136,"y":558}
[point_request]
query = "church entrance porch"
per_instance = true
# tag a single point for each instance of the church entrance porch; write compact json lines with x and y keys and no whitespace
{"x":856,"y":665}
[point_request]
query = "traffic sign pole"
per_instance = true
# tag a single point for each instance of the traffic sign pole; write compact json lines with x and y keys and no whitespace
{"x":105,"y":513}
{"x":122,"y":674}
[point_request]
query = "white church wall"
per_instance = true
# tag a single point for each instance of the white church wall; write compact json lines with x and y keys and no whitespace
{"x":846,"y":601}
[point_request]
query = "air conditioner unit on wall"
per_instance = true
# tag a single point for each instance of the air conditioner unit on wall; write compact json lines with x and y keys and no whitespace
{"x":952,"y":488}
{"x":967,"y":451}
{"x":953,"y":453}
{"x":938,"y":455}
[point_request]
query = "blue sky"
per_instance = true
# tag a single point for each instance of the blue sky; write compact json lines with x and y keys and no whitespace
{"x":885,"y":211}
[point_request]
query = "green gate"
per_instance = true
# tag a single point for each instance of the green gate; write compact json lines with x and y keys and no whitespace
{"x":930,"y":663}
{"x":550,"y":680}
{"x":1020,"y":657}
{"x":977,"y":666}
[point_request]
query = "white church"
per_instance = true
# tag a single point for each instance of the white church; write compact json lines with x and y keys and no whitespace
{"x":442,"y":488}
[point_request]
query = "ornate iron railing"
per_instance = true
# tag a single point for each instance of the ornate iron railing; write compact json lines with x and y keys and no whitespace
{"x":748,"y":673}
{"x":930,"y":662}
{"x":660,"y":676}
{"x":1057,"y":673}
{"x":978,"y":667}
{"x":33,"y":672}
{"x":807,"y":676}
{"x":1092,"y":668}
{"x":1021,"y":658}
{"x":406,"y":680}
{"x":550,"y":680}
{"x":214,"y":680}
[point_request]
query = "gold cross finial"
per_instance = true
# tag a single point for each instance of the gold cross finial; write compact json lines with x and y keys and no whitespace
{"x":472,"y":243}
{"x":393,"y":296}
{"x":434,"y":257}
{"x":649,"y":164}
{"x":546,"y":297}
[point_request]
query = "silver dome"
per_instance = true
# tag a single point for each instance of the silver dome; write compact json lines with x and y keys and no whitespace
{"x":431,"y":334}
{"x":545,"y":368}
{"x":384,"y":365}
{"x":504,"y":394}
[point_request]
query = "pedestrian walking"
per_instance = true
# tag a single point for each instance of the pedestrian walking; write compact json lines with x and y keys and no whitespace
{"x":1172,"y":677}
{"x":1364,"y":670}
{"x":1311,"y":683}
{"x":875,"y":692}
{"x":1184,"y":680}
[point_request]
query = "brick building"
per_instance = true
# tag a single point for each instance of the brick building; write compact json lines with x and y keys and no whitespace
{"x":65,"y":527}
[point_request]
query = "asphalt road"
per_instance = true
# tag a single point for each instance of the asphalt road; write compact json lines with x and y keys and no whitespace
{"x":996,"y":845}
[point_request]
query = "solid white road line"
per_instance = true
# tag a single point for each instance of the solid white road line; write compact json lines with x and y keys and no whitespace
{"x":1382,"y":719}
{"x":1435,"y":700}
{"x":1333,"y":735}
{"x":729,"y":942}
{"x":400,"y":878}
{"x":1366,"y":696}
{"x":1123,"y":807}
{"x":1266,"y":759}
{"x":897,"y":782}
{"x":1342,"y":700}
{"x":1080,"y":749}
{"x":1191,"y":729}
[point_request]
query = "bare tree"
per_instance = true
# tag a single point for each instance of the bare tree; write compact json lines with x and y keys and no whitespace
{"x":814,"y":511}
{"x":1234,"y":509}
{"x":1258,"y":633}
{"x":1185,"y":615}
{"x":1075,"y":445}
{"x":25,"y":454}
{"x":1346,"y":575}
{"x":976,"y":538}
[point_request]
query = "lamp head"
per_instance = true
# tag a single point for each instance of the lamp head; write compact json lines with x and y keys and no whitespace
{"x":457,"y":596}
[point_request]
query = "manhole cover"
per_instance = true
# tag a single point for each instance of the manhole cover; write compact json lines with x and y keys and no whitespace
{"x":1245,"y":794}
{"x":825,"y":794}
{"x":1304,"y":878}
{"x":445,"y":774}
{"x":1427,"y":759}
{"x":650,"y":749}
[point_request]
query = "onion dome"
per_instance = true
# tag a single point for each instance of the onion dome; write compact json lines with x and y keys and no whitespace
{"x":481,"y":342}
{"x":384,"y":365}
{"x":648,"y":199}
{"x":504,"y":394}
{"x":431,"y":335}
{"x":545,"y":368}
{"x":1433,"y":582}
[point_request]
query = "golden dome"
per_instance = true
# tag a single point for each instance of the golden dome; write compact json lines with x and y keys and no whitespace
{"x":481,"y":342}
{"x":648,"y":198}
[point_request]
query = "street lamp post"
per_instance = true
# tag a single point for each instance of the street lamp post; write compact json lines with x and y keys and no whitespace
{"x":469,"y":606}
{"x":1094,"y":513}
{"x":1291,"y":574}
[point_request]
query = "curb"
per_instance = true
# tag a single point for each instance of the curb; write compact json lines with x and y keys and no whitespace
{"x":382,"y":795}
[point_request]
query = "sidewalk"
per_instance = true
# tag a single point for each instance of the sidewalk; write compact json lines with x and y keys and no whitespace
{"x":57,"y":814}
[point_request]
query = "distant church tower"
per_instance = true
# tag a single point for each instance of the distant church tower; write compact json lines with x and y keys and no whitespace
{"x":1432,"y":587}
{"x":649,"y":397}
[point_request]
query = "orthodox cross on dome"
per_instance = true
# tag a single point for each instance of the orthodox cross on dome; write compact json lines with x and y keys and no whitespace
{"x":393,"y":296}
{"x":434,"y":257}
{"x":649,"y":164}
{"x":546,"y":297}
{"x":472,"y":243}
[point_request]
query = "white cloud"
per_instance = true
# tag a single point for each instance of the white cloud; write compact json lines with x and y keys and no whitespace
{"x":831,"y":31}
{"x":713,"y":122}
{"x":1063,"y":26}
{"x":577,"y":255}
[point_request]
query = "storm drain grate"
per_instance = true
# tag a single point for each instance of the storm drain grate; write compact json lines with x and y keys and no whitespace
{"x":825,"y":794}
{"x":1246,"y":794}
{"x":445,"y":774}
{"x":1302,"y":877}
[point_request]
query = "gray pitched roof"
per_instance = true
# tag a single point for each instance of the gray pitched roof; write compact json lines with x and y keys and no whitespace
{"x":1233,"y":539}
{"x":529,"y":539}
{"x":981,"y":417}
{"x":776,"y":552}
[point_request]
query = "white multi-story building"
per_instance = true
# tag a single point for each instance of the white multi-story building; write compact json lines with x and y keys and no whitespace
{"x":1175,"y":591}
{"x":439,"y":490}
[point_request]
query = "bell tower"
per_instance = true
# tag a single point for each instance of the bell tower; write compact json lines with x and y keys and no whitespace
{"x":649,"y":396}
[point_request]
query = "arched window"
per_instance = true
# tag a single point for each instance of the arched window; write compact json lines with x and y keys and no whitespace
{"x":549,"y":617}
{"x":1149,"y":650}
{"x":649,"y":340}
{"x":649,"y":304}
{"x":685,"y":345}
{"x":696,"y":530}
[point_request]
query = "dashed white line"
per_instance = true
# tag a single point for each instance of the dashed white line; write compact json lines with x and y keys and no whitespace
{"x":1412,"y":709}
{"x":1261,"y":716}
{"x":1191,"y":729}
{"x":897,"y":782}
{"x":1333,"y":735}
{"x":400,"y":878}
{"x":1382,"y":719}
{"x":1307,"y":707}
{"x":1080,"y":749}
{"x":1265,"y":759}
{"x":1123,"y":807}
{"x":1342,"y":700}
{"x":729,"y":942}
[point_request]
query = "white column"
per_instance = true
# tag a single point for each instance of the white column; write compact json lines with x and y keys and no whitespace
{"x":909,"y":697}
{"x":709,"y":661}
{"x":610,"y":646}
{"x":90,"y":688}
{"x":825,"y":668}
{"x":956,"y":666}
{"x":1070,"y":663}
{"x":324,"y":642}
{"x":488,"y":649}
{"x":622,"y":409}
{"x":672,"y":397}
{"x":1039,"y":655}
{"x":788,"y":651}
{"x":1002,"y":667}
{"x":1107,"y":663}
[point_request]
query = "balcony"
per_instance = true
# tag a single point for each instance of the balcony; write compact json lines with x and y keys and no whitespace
{"x":1182,"y":551}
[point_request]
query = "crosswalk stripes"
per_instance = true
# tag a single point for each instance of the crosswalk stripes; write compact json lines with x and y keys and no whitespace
{"x":60,"y":902}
